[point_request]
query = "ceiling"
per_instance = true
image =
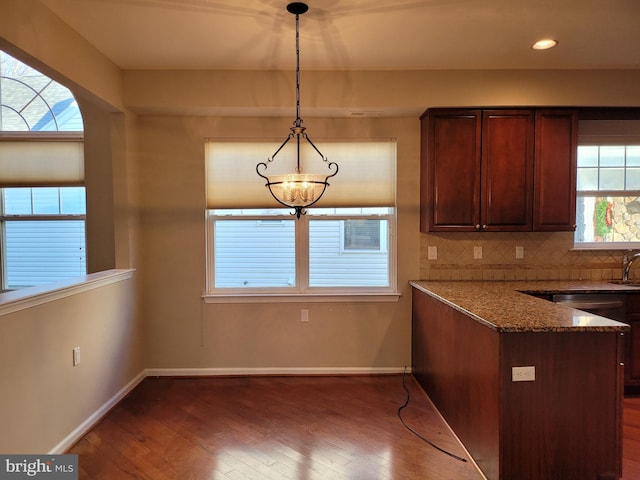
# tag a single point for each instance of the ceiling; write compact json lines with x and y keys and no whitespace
{"x":358,"y":34}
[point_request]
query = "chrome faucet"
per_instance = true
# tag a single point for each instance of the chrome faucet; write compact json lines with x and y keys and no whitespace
{"x":627,"y":261}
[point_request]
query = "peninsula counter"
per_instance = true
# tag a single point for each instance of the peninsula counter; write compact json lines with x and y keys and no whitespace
{"x":467,"y":337}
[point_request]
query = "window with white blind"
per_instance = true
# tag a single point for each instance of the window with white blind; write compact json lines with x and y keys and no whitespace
{"x":345,"y":244}
{"x":608,"y":184}
{"x":44,"y":237}
{"x":42,"y":193}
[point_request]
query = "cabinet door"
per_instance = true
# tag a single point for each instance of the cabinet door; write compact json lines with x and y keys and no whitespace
{"x":632,"y":357}
{"x":555,"y":170}
{"x":632,"y":343}
{"x":507,"y":170}
{"x":450,"y":172}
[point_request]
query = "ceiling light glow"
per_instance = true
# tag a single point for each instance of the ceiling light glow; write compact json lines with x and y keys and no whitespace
{"x":544,"y":44}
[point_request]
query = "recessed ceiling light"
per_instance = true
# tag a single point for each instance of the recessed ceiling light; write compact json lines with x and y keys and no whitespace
{"x":544,"y":44}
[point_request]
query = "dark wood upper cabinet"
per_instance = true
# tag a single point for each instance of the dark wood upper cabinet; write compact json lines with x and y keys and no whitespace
{"x":555,"y":170}
{"x":450,"y":180}
{"x":498,"y":170}
{"x":507,"y":170}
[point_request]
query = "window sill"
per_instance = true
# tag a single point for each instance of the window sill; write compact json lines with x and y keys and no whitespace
{"x":606,"y":246}
{"x":15,"y":300}
{"x":301,"y":298}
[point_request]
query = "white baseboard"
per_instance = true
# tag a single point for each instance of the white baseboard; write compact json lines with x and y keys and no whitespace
{"x":95,"y":417}
{"x":302,"y":371}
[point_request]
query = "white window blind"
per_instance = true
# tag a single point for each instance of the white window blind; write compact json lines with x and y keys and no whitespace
{"x":41,"y":162}
{"x":366,"y":176}
{"x":609,"y":132}
{"x":44,"y":251}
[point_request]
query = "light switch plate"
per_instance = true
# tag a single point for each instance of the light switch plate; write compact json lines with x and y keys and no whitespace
{"x":477,"y":252}
{"x":432,"y":253}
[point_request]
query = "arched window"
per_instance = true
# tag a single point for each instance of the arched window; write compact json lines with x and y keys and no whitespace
{"x":42,"y":193}
{"x":33,"y":102}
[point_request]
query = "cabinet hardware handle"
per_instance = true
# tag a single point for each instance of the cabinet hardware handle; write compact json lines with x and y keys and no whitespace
{"x":478,"y":226}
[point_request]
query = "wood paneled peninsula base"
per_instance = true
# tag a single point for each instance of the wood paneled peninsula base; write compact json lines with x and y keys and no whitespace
{"x":565,"y":423}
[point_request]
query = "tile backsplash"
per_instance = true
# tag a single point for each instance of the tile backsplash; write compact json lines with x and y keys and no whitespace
{"x":546,"y":256}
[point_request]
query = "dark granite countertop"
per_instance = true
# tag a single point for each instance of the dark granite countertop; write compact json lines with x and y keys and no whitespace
{"x":504,"y":307}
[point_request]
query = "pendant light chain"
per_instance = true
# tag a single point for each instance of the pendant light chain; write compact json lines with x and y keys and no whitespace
{"x":298,"y":121}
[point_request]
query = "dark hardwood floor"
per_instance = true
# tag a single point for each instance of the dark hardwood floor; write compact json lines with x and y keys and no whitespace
{"x":297,"y":428}
{"x":294,"y":428}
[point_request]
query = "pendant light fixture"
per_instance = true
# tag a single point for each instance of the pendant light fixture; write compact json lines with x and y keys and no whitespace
{"x":297,"y":190}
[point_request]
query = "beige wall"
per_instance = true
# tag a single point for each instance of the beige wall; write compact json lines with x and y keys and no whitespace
{"x":109,"y":140}
{"x":43,"y":397}
{"x":31,"y":32}
{"x":182,"y":332}
{"x":402,"y":93}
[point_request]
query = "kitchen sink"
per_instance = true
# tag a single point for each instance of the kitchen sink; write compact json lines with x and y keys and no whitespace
{"x":610,"y":305}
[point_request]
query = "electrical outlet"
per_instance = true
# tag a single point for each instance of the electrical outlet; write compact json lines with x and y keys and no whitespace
{"x":304,"y":315}
{"x":523,"y":374}
{"x":519,"y":252}
{"x":477,"y":252}
{"x":432,"y":253}
{"x":76,"y":356}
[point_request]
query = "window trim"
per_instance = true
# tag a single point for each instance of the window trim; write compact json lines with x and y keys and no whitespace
{"x":298,"y":298}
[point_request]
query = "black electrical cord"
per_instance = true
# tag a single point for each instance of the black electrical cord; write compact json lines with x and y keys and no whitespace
{"x":416,"y":433}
